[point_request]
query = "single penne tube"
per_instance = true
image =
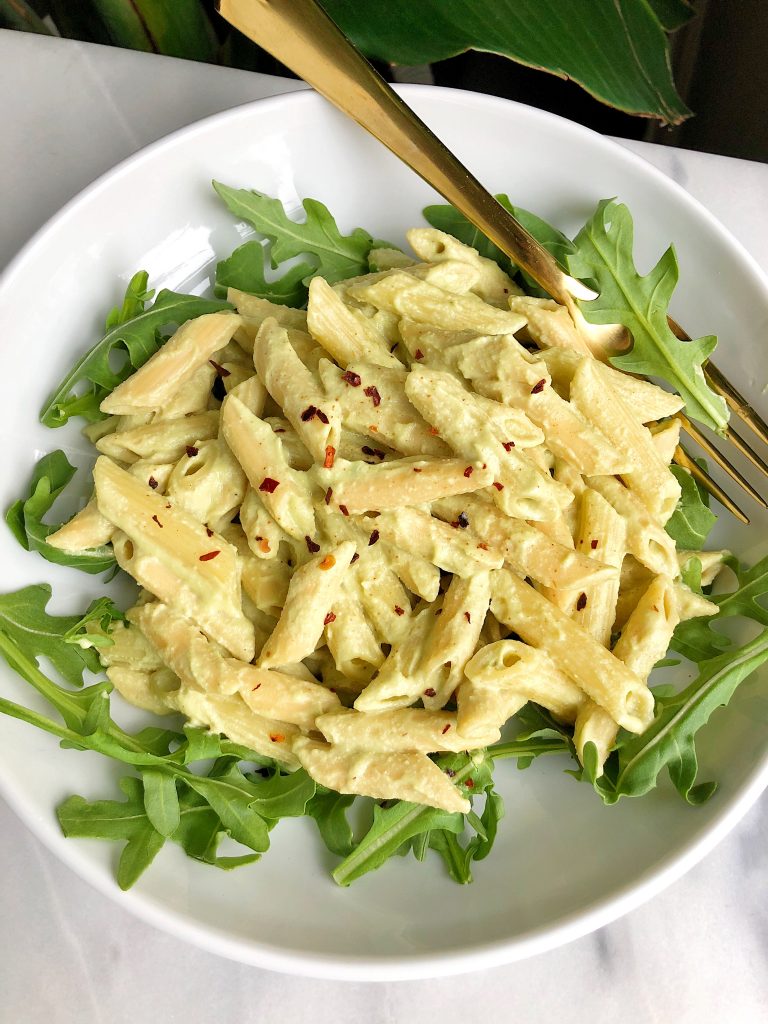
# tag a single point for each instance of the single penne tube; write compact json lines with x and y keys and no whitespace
{"x":398,"y":682}
{"x":88,"y":528}
{"x":412,"y":529}
{"x":549,"y":324}
{"x":601,"y":535}
{"x":647,"y":632}
{"x":150,"y":691}
{"x":569,"y":435}
{"x":350,"y":638}
{"x":200,"y":666}
{"x":711,"y":563}
{"x":502,"y":677}
{"x":153,"y":385}
{"x":500,"y":357}
{"x":192,"y":397}
{"x":454,"y":637}
{"x":284,"y":491}
{"x":649,"y":478}
{"x":175,"y":557}
{"x":311,"y":593}
{"x":374,"y":403}
{"x":402,"y":293}
{"x":208,"y":483}
{"x":594,"y":725}
{"x":665,"y":438}
{"x":314,"y":417}
{"x":691,"y":605}
{"x":646,"y":401}
{"x":492,"y":284}
{"x":647,"y":540}
{"x":161,"y":442}
{"x":450,"y":275}
{"x":383,"y":257}
{"x":254,"y":311}
{"x":232,"y":717}
{"x":399,"y":729}
{"x":526,"y":548}
{"x":598,"y":672}
{"x":360,"y":487}
{"x":347,"y":335}
{"x":383,"y":776}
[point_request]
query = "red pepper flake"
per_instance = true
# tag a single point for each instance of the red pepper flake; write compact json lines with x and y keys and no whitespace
{"x":581,"y":601}
{"x":268,"y":485}
{"x":445,"y":728}
{"x":455,"y":524}
{"x":376,"y":453}
{"x":468,"y":471}
{"x":191,"y":451}
{"x":462,"y":520}
{"x":468,"y":617}
{"x":373,"y":394}
{"x":399,"y":610}
{"x":328,"y":496}
{"x":438,"y":612}
{"x":418,"y":354}
{"x":209,"y":531}
{"x":593,"y":544}
{"x":277,"y":737}
{"x":152,"y":483}
{"x":434,"y":431}
{"x":219,"y":369}
{"x":470,"y":784}
{"x":498,"y":486}
{"x":157,"y":521}
{"x":329,"y":618}
{"x":353,"y":379}
{"x":538,"y":387}
{"x":373,"y":537}
{"x":417,"y":469}
{"x":322,"y":417}
{"x":311,"y":546}
{"x":330,"y":455}
{"x":264,"y":545}
{"x":209,"y":555}
{"x":256,"y":687}
{"x":429,"y":692}
{"x":354,"y":558}
{"x":508,"y":445}
{"x":483,"y":546}
{"x":373,"y":428}
{"x":168,"y":505}
{"x":309,"y":413}
{"x":344,"y":510}
{"x":278,"y":430}
{"x":328,"y":562}
{"x":655,"y":607}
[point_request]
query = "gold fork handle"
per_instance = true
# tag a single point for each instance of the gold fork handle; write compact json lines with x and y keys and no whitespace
{"x":302,"y":36}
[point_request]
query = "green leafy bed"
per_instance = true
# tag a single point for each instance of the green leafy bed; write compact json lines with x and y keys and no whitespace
{"x":196,"y":788}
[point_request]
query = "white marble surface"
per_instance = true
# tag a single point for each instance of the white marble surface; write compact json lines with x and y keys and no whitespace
{"x":694,"y":955}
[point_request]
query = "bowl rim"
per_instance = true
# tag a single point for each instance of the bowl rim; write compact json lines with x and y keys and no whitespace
{"x":393,"y":967}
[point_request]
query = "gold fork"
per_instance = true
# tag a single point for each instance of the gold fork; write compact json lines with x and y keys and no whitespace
{"x":302,"y":36}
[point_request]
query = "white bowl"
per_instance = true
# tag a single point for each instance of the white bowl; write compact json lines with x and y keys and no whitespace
{"x":563,"y":863}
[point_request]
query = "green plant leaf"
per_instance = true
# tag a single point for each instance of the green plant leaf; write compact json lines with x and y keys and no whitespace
{"x":691,"y":522}
{"x":616,"y":49}
{"x":696,"y":640}
{"x":51,"y":475}
{"x":19,"y":15}
{"x":178,"y":29}
{"x":230,"y":797}
{"x":604,"y":257}
{"x":334,"y":256}
{"x":133,"y":340}
{"x":670,"y":739}
{"x":161,"y":801}
{"x":329,"y":811}
{"x":244,"y":269}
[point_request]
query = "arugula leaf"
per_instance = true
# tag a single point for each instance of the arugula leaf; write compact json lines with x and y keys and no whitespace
{"x":24,"y":619}
{"x":604,"y":257}
{"x":244,"y":270}
{"x":447,"y":218}
{"x":25,"y":517}
{"x":329,"y":810}
{"x":134,"y":340}
{"x":697,"y":640}
{"x":669,"y":740}
{"x":137,"y":295}
{"x":161,"y":801}
{"x":691,"y":522}
{"x":334,"y":256}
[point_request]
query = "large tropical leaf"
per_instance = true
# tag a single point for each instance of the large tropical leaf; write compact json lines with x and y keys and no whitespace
{"x":616,"y":49}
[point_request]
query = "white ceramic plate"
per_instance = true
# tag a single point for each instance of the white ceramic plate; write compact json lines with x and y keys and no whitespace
{"x":563,"y":864}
